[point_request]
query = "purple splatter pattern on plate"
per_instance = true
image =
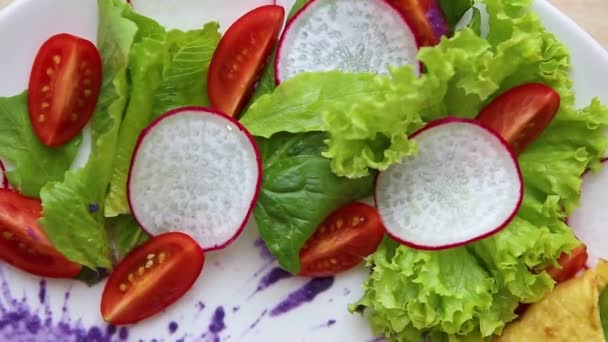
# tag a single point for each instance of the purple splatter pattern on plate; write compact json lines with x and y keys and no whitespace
{"x":304,"y":294}
{"x":21,"y":322}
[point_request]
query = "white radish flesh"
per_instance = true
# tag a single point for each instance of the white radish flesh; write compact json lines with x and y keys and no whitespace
{"x":346,"y":35}
{"x":193,"y":14}
{"x":590,"y":221}
{"x":464,"y":185}
{"x":195,"y":171}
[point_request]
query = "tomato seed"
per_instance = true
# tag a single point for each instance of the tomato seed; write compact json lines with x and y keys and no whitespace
{"x":131,"y":277}
{"x":49,"y":71}
{"x":7,"y":235}
{"x":141,"y":270}
{"x":87,"y":92}
{"x":41,"y":118}
{"x":355,"y":221}
{"x":150,"y":256}
{"x":56,"y":59}
{"x":340,"y":223}
{"x":45,"y":105}
{"x":123,"y":287}
{"x":161,"y":257}
{"x":46,"y":88}
{"x":150,"y":263}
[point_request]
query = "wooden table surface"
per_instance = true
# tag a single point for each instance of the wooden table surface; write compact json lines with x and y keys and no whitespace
{"x":589,"y":14}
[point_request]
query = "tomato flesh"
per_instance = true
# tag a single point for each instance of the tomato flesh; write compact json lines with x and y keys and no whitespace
{"x":241,"y":56}
{"x":348,"y":235}
{"x":151,"y":277}
{"x":425,"y":19}
{"x":521,"y":114}
{"x":570,"y":264}
{"x":24,"y":244}
{"x":64,"y":85}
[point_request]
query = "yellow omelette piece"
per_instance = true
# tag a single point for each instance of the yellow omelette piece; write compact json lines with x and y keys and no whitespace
{"x":570,"y":313}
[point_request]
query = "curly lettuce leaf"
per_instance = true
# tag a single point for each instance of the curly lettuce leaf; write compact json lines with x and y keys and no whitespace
{"x":363,"y":113}
{"x":35,"y":164}
{"x":296,"y":175}
{"x":167,"y":70}
{"x":466,"y":72}
{"x":73,"y":209}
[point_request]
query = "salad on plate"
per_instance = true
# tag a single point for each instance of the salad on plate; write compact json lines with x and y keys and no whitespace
{"x":435,"y":142}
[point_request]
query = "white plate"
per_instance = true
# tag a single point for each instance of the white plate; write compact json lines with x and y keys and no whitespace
{"x":224,"y":304}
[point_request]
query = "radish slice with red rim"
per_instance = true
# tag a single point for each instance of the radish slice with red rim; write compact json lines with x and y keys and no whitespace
{"x":345,"y":35}
{"x":464,"y":185}
{"x":590,"y":221}
{"x":195,"y":171}
{"x":193,"y":14}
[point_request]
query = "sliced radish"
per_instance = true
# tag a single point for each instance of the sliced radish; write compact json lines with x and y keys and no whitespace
{"x":193,"y":14}
{"x":464,"y":185}
{"x":195,"y":171}
{"x":590,"y":220}
{"x":4,"y":179}
{"x":346,"y":35}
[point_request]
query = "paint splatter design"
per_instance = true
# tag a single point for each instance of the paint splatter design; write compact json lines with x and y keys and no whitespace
{"x":22,"y":322}
{"x":305,"y":294}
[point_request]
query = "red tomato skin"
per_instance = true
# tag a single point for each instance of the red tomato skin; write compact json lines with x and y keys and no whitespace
{"x":571,"y":264}
{"x":63,"y":89}
{"x":241,"y":57}
{"x":425,"y":19}
{"x":348,"y":235}
{"x":24,"y":244}
{"x":521,"y":114}
{"x":152,"y":277}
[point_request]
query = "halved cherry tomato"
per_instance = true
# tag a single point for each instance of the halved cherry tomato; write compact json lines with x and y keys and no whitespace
{"x":571,"y":264}
{"x":24,"y":244}
{"x":151,"y":277}
{"x":63,"y":89}
{"x":347,"y":236}
{"x":241,"y":57}
{"x":521,"y":114}
{"x":425,"y":19}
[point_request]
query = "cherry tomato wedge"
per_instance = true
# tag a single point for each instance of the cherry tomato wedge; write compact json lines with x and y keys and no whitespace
{"x":24,"y":244}
{"x":151,"y":277}
{"x":425,"y":19}
{"x":241,"y":57}
{"x":570,"y":264}
{"x":521,"y":114}
{"x":63,"y":89}
{"x":347,"y":236}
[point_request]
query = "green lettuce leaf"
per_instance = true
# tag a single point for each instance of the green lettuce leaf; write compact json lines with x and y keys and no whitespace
{"x":125,"y":234}
{"x":465,"y":73}
{"x":167,"y":70}
{"x":296,"y":175}
{"x":73,"y":209}
{"x":453,"y":10}
{"x":364,"y":114}
{"x":35,"y":164}
{"x":604,"y":312}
